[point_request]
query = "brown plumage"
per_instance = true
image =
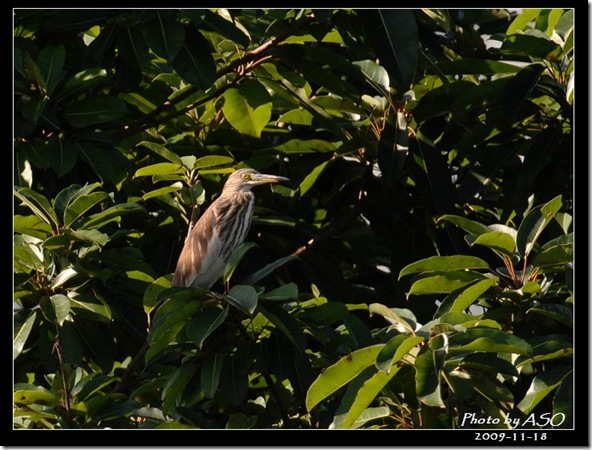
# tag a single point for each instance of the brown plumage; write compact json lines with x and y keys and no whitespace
{"x":221,"y":229}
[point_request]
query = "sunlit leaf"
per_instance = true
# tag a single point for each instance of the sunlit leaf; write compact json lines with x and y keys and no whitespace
{"x":340,"y":374}
{"x":496,"y":240}
{"x":395,"y":349}
{"x":38,"y":204}
{"x":541,"y":386}
{"x":444,"y":282}
{"x":248,"y":108}
{"x":21,"y":336}
{"x":454,"y":262}
{"x":465,"y":297}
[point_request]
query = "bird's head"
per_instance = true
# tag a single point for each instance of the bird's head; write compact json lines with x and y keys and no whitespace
{"x":245,"y":179}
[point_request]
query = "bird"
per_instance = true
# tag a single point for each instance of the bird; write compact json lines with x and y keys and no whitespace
{"x":221,"y":229}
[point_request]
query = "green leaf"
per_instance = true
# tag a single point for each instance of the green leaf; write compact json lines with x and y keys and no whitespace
{"x":376,"y":75}
{"x":266,"y":270}
{"x":465,"y":297}
{"x":210,"y":374}
{"x":444,"y":283}
{"x":441,"y":263}
{"x":284,"y":322}
{"x":63,"y":276}
{"x":194,"y":60}
{"x":95,"y":110}
{"x":498,"y":241}
{"x":66,"y":196}
{"x":466,"y":66}
{"x":92,"y":236}
{"x":31,"y":225}
{"x":541,"y":386}
{"x":522,"y":20}
{"x":164,"y":34}
{"x":559,"y":313}
{"x":113,"y":213}
{"x":558,"y":255}
{"x":306,"y":146}
{"x":297,"y":116}
{"x":56,"y":308}
{"x":519,"y":88}
{"x":152,"y":293}
{"x":21,"y":336}
{"x":285,"y":292}
{"x":201,"y":326}
{"x":83,"y":82}
{"x":488,"y":340}
{"x":27,"y":252}
{"x":428,"y":367}
{"x":366,"y":394}
{"x":393,"y":149}
{"x":175,"y":187}
{"x":534,"y":223}
{"x":171,"y":394}
{"x":468,"y":225}
{"x":38,"y":204}
{"x":394,"y":37}
{"x":310,"y":179}
{"x":532,"y":46}
{"x":340,"y":374}
{"x":214,"y":21}
{"x":81,"y":205}
{"x":402,"y":317}
{"x":248,"y":108}
{"x":37,"y":396}
{"x":234,"y":378}
{"x":243,"y":297}
{"x":236,"y":258}
{"x":51,"y":60}
{"x":212,"y":161}
{"x":370,"y":414}
{"x":488,"y":362}
{"x":92,"y":306}
{"x":159,"y":169}
{"x":563,"y":403}
{"x":460,"y":383}
{"x":161,"y":151}
{"x":395,"y":349}
{"x":432,"y":173}
{"x":167,"y":327}
{"x":131,"y":46}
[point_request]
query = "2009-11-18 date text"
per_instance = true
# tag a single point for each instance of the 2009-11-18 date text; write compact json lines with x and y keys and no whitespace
{"x":514,"y":436}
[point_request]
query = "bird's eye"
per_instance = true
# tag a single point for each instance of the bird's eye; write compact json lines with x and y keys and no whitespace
{"x":246,"y":176}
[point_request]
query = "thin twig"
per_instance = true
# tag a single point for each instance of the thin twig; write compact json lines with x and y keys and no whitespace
{"x":58,"y":349}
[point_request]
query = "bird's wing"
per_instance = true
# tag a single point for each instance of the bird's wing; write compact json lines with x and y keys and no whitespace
{"x":199,"y":263}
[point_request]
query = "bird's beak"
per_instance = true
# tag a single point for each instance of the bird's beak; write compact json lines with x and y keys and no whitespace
{"x":263,"y":178}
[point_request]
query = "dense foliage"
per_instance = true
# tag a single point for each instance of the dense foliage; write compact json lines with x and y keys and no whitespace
{"x":416,"y":270}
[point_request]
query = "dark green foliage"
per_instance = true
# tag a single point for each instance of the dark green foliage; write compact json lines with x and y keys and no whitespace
{"x":418,"y":265}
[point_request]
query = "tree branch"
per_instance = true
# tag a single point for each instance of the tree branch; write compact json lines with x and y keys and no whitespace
{"x":250,"y":59}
